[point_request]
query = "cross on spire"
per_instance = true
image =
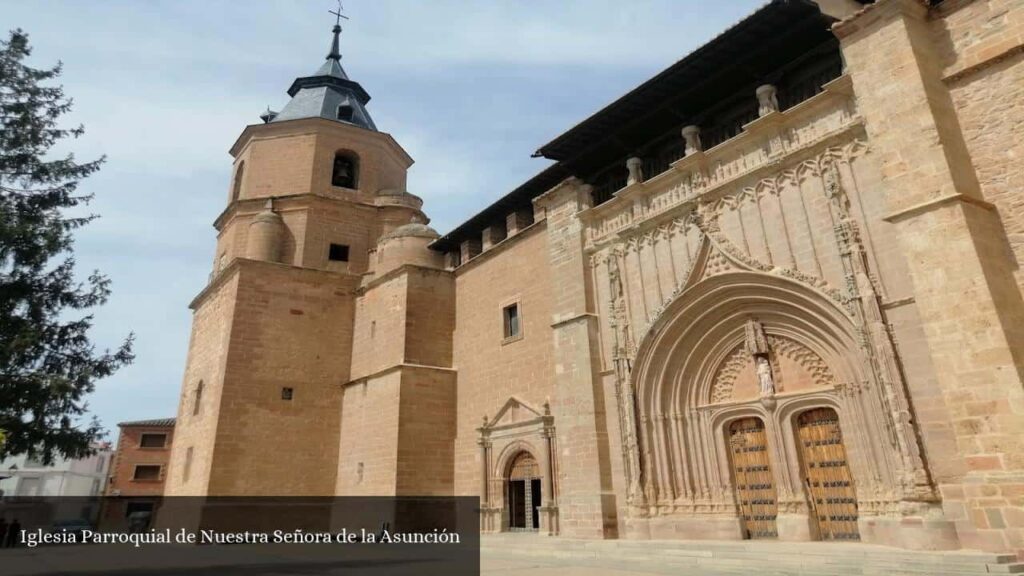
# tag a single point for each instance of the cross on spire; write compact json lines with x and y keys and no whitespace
{"x":335,"y":53}
{"x":338,"y":14}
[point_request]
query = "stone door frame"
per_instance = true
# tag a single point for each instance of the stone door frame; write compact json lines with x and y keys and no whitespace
{"x":501,"y":440}
{"x":793,"y":520}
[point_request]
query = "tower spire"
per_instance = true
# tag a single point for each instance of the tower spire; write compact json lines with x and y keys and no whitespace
{"x":328,"y":92}
{"x":335,"y":53}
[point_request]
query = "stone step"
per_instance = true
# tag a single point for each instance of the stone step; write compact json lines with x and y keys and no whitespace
{"x":746,"y":568}
{"x":768,"y":559}
{"x":782,"y":549}
{"x":944,"y":558}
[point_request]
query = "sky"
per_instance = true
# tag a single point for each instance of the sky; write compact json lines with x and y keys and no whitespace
{"x":469,"y":88}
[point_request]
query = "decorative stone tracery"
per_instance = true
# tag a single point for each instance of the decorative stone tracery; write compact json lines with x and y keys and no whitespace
{"x":714,"y":314}
{"x":791,"y":367}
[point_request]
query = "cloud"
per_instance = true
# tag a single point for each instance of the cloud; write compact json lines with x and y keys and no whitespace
{"x":164,"y":87}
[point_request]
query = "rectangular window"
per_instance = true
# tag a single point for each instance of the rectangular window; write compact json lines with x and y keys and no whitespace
{"x":338,"y":253}
{"x":510,"y":316}
{"x":287,"y":393}
{"x":153,"y":441}
{"x":147,"y":472}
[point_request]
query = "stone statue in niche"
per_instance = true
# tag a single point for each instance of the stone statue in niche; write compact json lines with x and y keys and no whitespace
{"x":757,"y":345}
{"x":834,"y":191}
{"x":614,"y":279}
{"x":764,"y":376}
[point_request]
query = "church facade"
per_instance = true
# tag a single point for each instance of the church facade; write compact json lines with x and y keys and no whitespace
{"x":772,"y":292}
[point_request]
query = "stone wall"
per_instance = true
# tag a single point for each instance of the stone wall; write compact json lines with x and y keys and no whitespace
{"x":213,"y":312}
{"x":586,"y":501}
{"x":426,"y":434}
{"x":274,"y":304}
{"x":368,"y":451}
{"x":275,"y":167}
{"x":981,"y":44}
{"x":490,"y":370}
{"x":398,"y":411}
{"x":931,"y":104}
{"x":380,"y":326}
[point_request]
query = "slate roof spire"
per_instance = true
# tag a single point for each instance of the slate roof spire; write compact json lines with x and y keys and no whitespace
{"x":332,"y":67}
{"x":329,"y":93}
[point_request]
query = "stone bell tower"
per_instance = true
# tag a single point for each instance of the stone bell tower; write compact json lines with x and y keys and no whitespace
{"x":314,"y":189}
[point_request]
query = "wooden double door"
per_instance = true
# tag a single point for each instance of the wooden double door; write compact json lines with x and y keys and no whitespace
{"x":824,"y":469}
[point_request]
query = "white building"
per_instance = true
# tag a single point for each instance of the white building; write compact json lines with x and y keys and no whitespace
{"x":22,"y":475}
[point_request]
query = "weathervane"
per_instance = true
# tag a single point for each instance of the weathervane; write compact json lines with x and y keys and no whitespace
{"x":338,"y":14}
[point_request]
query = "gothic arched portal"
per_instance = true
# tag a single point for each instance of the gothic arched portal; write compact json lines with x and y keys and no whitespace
{"x":736,"y":359}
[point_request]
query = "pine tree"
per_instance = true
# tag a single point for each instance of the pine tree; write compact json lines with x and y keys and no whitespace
{"x":47,"y":364}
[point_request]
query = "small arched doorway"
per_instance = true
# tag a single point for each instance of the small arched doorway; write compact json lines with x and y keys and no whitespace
{"x":826,"y":475}
{"x":752,"y":478}
{"x":523,"y":495}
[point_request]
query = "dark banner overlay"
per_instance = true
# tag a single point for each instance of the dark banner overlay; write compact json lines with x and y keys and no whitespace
{"x":240,"y":535}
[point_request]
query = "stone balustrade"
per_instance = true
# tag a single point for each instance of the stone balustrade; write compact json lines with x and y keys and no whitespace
{"x":762,"y":146}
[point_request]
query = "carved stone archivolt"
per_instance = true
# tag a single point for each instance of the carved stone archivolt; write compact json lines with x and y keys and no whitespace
{"x":769,"y":287}
{"x":725,"y":380}
{"x":781,"y":365}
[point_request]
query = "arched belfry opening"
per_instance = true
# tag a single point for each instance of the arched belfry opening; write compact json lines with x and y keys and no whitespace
{"x":345,"y":170}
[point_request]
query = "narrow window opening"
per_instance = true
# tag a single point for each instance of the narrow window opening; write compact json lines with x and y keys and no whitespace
{"x":373,"y":328}
{"x":287,"y":393}
{"x":197,"y":400}
{"x":345,"y":169}
{"x":345,"y":113}
{"x":510,"y":315}
{"x":338,"y":253}
{"x":188,"y":465}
